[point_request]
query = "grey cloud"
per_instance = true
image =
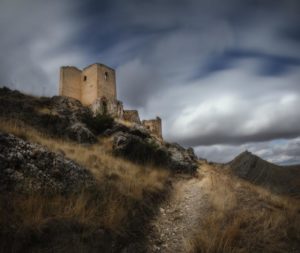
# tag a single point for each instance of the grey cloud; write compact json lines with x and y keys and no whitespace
{"x":280,"y":152}
{"x":234,"y":106}
{"x":203,"y":31}
{"x":34,"y":43}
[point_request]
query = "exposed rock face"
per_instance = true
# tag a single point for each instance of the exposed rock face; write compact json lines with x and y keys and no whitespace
{"x":78,"y":131}
{"x":68,"y":107}
{"x":136,"y":129}
{"x":139,"y":147}
{"x":279,"y":179}
{"x":26,"y":167}
{"x":182,"y":159}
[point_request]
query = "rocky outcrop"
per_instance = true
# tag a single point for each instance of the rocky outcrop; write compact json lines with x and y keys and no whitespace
{"x":26,"y":167}
{"x":78,"y":131}
{"x":181,"y":159}
{"x":140,"y":147}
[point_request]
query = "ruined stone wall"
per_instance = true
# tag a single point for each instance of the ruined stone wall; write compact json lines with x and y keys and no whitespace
{"x":120,"y":110}
{"x":132,"y":116}
{"x":95,"y":86}
{"x":113,"y":108}
{"x":70,"y":82}
{"x":154,"y":126}
{"x":106,"y":82}
{"x":89,"y":85}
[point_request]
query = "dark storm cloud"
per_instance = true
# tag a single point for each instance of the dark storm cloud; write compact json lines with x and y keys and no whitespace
{"x":36,"y":38}
{"x":219,"y":73}
{"x":270,"y":64}
{"x":176,"y":42}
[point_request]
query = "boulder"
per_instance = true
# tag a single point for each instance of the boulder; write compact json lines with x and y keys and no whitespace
{"x":136,"y":130}
{"x":182,"y":160}
{"x":81,"y":133}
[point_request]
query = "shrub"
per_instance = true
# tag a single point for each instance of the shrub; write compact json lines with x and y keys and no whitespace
{"x":99,"y":123}
{"x":143,"y":152}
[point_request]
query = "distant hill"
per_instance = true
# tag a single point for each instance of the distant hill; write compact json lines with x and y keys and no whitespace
{"x":279,"y":179}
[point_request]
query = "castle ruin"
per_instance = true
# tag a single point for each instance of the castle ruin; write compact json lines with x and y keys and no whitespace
{"x":95,"y":86}
{"x":153,"y":125}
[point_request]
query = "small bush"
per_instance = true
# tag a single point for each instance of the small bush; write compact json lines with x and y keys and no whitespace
{"x":142,"y":152}
{"x":99,"y":123}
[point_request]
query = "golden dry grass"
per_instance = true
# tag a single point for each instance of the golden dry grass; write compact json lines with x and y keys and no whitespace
{"x":125,"y":122}
{"x":132,"y":179}
{"x":245,"y":218}
{"x":47,"y":111}
{"x":120,"y":199}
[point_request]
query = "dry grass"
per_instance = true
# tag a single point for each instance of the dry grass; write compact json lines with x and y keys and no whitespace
{"x":46,"y":111}
{"x":125,"y":122}
{"x":132,"y":179}
{"x":121,"y":203}
{"x":246,"y":218}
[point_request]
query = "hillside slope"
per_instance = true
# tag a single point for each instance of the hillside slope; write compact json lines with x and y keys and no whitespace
{"x":67,"y":118}
{"x":244,"y":217}
{"x":71,"y":182}
{"x":279,"y":179}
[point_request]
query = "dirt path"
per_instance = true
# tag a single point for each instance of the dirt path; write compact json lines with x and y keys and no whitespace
{"x":178,"y":217}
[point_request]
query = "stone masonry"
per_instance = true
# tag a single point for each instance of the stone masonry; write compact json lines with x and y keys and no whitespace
{"x":131,"y":116}
{"x":154,"y":126}
{"x":95,"y":86}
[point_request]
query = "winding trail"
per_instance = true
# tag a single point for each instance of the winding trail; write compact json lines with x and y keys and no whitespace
{"x":178,"y":217}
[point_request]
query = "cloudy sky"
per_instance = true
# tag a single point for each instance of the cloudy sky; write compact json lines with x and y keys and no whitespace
{"x":224,"y":75}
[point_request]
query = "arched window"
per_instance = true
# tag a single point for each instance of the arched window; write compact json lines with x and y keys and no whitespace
{"x":104,"y":106}
{"x":106,"y":76}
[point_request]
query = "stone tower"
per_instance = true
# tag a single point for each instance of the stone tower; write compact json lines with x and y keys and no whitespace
{"x":93,"y":82}
{"x":94,"y":86}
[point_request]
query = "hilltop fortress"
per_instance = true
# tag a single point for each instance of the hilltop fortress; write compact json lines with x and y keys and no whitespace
{"x":95,"y":86}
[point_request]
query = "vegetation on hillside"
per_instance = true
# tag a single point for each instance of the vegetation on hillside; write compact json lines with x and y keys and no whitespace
{"x":109,"y":216}
{"x":99,"y":123}
{"x":245,"y":218}
{"x":143,"y":152}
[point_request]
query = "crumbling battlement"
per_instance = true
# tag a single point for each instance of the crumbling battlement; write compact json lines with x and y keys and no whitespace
{"x":132,"y":116}
{"x":154,"y":126}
